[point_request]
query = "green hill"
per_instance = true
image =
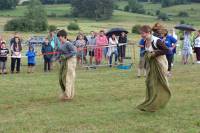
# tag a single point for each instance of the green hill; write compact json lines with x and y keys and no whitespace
{"x":119,"y":19}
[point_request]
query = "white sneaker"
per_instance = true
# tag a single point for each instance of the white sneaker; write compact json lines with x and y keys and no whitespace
{"x":198,"y":62}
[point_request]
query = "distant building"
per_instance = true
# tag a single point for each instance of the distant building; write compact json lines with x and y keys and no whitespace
{"x":21,"y":1}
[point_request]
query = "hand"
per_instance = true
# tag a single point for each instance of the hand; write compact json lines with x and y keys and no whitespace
{"x":171,"y":48}
{"x":151,"y":55}
{"x":62,"y":57}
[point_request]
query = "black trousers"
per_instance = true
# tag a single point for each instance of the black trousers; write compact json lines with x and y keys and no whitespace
{"x":169,"y":59}
{"x":13,"y":62}
{"x":47,"y":64}
{"x":197,"y":51}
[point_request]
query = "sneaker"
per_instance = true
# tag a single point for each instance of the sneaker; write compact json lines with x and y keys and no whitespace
{"x":169,"y":74}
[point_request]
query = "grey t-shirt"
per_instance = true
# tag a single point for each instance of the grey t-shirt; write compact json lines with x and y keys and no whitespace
{"x":67,"y":49}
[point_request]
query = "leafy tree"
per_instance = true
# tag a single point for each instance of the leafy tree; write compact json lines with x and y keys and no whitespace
{"x":156,"y":1}
{"x":73,"y":26}
{"x":163,"y":16}
{"x":183,"y":14}
{"x":136,"y":29}
{"x":167,"y":3}
{"x":95,"y":9}
{"x":37,"y":15}
{"x":35,"y":19}
{"x":8,"y":4}
{"x":136,"y":7}
{"x":55,"y":1}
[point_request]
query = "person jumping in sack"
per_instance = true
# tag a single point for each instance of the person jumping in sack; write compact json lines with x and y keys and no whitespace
{"x":67,"y":56}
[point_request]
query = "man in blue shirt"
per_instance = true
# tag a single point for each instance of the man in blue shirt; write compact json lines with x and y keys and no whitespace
{"x":170,"y":42}
{"x":141,"y":66}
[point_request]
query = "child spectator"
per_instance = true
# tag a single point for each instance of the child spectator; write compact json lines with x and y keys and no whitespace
{"x":91,"y":44}
{"x":31,"y":59}
{"x":3,"y":57}
{"x":47,"y":51}
{"x":141,"y":66}
{"x":81,"y":52}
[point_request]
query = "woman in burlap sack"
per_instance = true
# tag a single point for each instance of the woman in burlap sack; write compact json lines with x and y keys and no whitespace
{"x":157,"y":87}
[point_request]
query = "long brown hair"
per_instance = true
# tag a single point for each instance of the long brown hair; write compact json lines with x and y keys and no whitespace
{"x":15,"y":44}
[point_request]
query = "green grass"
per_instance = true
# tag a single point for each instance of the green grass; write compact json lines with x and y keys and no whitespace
{"x":121,"y":4}
{"x":105,"y":101}
{"x":106,"y":98}
{"x":120,"y":18}
{"x":192,"y":9}
{"x":59,"y":10}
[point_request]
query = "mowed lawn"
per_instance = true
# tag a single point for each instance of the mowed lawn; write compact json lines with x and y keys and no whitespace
{"x":106,"y":98}
{"x":105,"y":102}
{"x":55,"y":10}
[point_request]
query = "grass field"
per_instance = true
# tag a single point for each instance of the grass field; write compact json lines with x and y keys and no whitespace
{"x":59,"y":10}
{"x":106,"y":98}
{"x":105,"y":101}
{"x":119,"y":19}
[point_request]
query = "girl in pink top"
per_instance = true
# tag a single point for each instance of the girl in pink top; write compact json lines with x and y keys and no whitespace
{"x":101,"y":40}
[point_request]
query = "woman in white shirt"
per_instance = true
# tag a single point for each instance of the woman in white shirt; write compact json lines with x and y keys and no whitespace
{"x":16,"y":49}
{"x":197,"y":46}
{"x":112,"y":50}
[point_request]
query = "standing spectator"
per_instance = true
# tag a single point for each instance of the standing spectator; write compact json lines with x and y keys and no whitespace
{"x":187,"y":48}
{"x":12,"y":40}
{"x":122,"y":47}
{"x":112,"y":49}
{"x":173,"y":34}
{"x":141,"y":66}
{"x":86,"y":41}
{"x":91,"y":45}
{"x":54,"y":42}
{"x":101,"y":41}
{"x":197,"y":47}
{"x":170,"y":42}
{"x":84,"y":37}
{"x":47,"y":51}
{"x":81,"y":52}
{"x":1,"y":40}
{"x":16,"y":49}
{"x":51,"y":39}
{"x":3,"y":57}
{"x":31,"y":59}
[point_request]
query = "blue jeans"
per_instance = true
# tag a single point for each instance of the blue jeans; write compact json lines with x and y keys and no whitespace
{"x":111,"y":56}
